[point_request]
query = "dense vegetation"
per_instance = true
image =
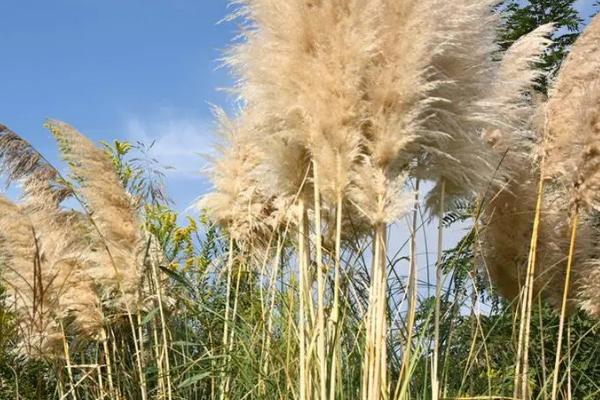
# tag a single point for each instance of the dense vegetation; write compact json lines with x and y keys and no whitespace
{"x":217,"y":309}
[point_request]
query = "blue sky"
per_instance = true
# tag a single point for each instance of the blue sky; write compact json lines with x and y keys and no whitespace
{"x":127,"y":69}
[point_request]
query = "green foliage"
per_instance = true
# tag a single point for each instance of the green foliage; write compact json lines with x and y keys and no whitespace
{"x":478,"y":332}
{"x":140,"y":173}
{"x":483,"y":347}
{"x":477,"y":329}
{"x":521,"y":18}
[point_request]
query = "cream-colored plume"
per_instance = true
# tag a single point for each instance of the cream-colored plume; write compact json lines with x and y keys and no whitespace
{"x":62,"y":286}
{"x":400,"y":83}
{"x":43,"y":266}
{"x":586,"y":196}
{"x":513,"y":88}
{"x":23,"y":164}
{"x":381,"y":200}
{"x":570,"y":101}
{"x":239,"y":201}
{"x":301,"y":69}
{"x":509,"y":207}
{"x":572,"y":156}
{"x":461,"y":74}
{"x":118,"y":239}
{"x":65,"y":243}
{"x":21,"y":273}
{"x":566,"y":140}
{"x":587,"y":184}
{"x":84,"y":261}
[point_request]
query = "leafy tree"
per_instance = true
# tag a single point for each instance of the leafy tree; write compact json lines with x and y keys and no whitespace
{"x":520,"y":19}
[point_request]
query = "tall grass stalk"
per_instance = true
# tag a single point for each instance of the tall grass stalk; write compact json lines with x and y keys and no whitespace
{"x":439,"y":276}
{"x":542,"y":350}
{"x":522,"y":360}
{"x":162,"y":384}
{"x":140,"y":337}
{"x":412,"y":291}
{"x":164,"y":366}
{"x":112,"y":390}
{"x":118,"y":383}
{"x":101,"y":390}
{"x":335,"y":312}
{"x":266,"y":355}
{"x":569,"y":362}
{"x":226,"y":322}
{"x":320,"y":325}
{"x":234,"y":313}
{"x":374,"y":384}
{"x":68,"y":362}
{"x":563,"y":306}
{"x":303,"y":263}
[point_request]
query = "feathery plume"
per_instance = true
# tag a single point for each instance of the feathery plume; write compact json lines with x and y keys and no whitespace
{"x":307,"y":91}
{"x":239,"y":201}
{"x":571,"y":151}
{"x":356,"y":96}
{"x":585,"y":196}
{"x":362,"y":83}
{"x":566,"y":129}
{"x":508,"y":215}
{"x":587,"y":184}
{"x":21,"y":271}
{"x":513,"y":88}
{"x":110,"y":210}
{"x":563,"y":140}
{"x":59,"y":237}
{"x":461,"y":72}
{"x":22,"y":163}
{"x":65,"y":241}
{"x":380,"y":199}
{"x":43,"y":265}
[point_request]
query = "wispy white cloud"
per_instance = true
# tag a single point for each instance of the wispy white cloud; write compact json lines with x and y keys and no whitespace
{"x":179,"y":142}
